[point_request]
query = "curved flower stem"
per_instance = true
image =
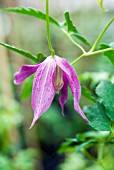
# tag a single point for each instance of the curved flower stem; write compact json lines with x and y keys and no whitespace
{"x":74,"y":42}
{"x":90,"y":54}
{"x":48,"y":29}
{"x":101,"y":34}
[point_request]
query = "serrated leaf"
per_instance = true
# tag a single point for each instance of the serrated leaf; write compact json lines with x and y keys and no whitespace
{"x":105,"y":92}
{"x":72,"y":30}
{"x":69,"y":23}
{"x":30,"y":12}
{"x":27,"y":88}
{"x":40,"y":57}
{"x":38,"y":14}
{"x":108,"y":54}
{"x":97,"y":117}
{"x":20,"y":51}
{"x":87,"y":93}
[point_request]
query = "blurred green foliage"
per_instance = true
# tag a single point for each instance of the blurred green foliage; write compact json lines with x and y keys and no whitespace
{"x":52,"y":128}
{"x":11,"y":157}
{"x":23,"y":160}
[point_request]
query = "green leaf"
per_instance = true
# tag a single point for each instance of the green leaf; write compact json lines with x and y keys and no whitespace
{"x":87,"y":93}
{"x":19,"y":51}
{"x":69,"y":23}
{"x":92,"y":135}
{"x":68,"y":145}
{"x":74,"y":144}
{"x":38,"y":14}
{"x":97,"y":117}
{"x":91,"y":79}
{"x":103,"y":46}
{"x":72,"y":30}
{"x":27,"y":88}
{"x":108,"y":54}
{"x":105,"y":92}
{"x":40,"y":57}
{"x":30,"y":12}
{"x":85,"y":145}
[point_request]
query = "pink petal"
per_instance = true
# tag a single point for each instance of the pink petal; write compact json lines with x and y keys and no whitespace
{"x":64,"y":95}
{"x":71,"y":75}
{"x":79,"y":110}
{"x":43,"y":90}
{"x":73,"y":81}
{"x":25,"y":72}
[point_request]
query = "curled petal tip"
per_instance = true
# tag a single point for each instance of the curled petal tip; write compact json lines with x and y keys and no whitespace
{"x":26,"y":71}
{"x":33,"y":122}
{"x":84,"y":117}
{"x":15,"y":82}
{"x":63,"y":114}
{"x":87,"y":119}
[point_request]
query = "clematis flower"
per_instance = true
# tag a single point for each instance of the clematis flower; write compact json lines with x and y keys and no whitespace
{"x":52,"y":75}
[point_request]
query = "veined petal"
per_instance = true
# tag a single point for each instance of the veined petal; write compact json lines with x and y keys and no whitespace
{"x":43,"y":90}
{"x":73,"y":81}
{"x":25,"y":72}
{"x":79,"y":110}
{"x":71,"y":76}
{"x":64,"y":95}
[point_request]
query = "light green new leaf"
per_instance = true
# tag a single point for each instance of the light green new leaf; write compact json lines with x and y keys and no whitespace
{"x":105,"y":92}
{"x":97,"y":117}
{"x":19,"y":51}
{"x":108,"y":54}
{"x":31,"y":12}
{"x":72,"y":30}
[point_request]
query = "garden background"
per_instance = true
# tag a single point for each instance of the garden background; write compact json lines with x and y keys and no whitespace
{"x":38,"y":148}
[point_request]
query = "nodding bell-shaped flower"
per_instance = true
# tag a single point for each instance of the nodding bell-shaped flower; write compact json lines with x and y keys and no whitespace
{"x":52,"y":75}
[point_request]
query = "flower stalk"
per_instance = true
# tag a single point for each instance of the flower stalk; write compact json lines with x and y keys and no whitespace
{"x":48,"y":29}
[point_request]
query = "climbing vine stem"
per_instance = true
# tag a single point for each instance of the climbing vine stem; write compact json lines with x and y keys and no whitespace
{"x":91,"y":52}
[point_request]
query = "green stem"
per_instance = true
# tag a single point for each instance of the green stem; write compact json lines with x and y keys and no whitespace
{"x":48,"y":29}
{"x":100,"y":154}
{"x":100,"y":151}
{"x":90,"y":54}
{"x":88,"y":155}
{"x":101,"y":34}
{"x":74,"y":42}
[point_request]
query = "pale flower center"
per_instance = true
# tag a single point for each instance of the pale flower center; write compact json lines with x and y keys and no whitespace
{"x":58,"y":80}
